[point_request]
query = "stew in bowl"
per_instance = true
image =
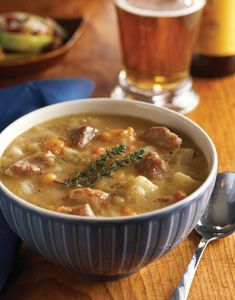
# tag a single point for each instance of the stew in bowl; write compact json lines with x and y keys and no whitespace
{"x":102,"y":165}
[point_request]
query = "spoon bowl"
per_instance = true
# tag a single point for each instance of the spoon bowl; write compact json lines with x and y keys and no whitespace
{"x":219,"y":218}
{"x":217,"y":221}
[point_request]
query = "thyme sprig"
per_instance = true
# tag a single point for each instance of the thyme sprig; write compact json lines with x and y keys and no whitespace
{"x":105,"y":165}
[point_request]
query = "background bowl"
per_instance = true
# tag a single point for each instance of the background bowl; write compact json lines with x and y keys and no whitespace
{"x":14,"y":66}
{"x":107,"y":248}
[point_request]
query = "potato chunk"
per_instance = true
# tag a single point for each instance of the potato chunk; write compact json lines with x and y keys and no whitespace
{"x":16,"y":151}
{"x":183,"y":156}
{"x":184,"y":182}
{"x":139,"y":187}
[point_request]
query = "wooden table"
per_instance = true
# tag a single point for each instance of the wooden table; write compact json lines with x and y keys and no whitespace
{"x":97,"y":56}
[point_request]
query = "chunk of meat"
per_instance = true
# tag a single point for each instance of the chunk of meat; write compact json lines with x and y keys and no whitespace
{"x":162,"y":136}
{"x":152,"y":165}
{"x":80,"y":210}
{"x":31,"y":165}
{"x":88,"y":195}
{"x":79,"y":137}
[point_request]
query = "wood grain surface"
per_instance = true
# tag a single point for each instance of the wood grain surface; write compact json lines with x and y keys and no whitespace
{"x":97,"y":56}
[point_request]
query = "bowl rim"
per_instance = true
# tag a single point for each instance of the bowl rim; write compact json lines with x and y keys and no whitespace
{"x":155,"y":213}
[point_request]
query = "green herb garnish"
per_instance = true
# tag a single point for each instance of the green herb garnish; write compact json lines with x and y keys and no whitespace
{"x":106,"y":165}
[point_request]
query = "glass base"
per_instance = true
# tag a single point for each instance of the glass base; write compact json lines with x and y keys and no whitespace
{"x":183,"y":99}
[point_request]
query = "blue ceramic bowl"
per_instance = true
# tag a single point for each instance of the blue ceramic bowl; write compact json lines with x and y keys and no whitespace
{"x":107,"y":248}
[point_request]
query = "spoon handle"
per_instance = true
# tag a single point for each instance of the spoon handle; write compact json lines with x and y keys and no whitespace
{"x":182,"y":290}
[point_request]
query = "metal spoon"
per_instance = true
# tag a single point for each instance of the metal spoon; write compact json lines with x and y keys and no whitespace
{"x":217,"y":221}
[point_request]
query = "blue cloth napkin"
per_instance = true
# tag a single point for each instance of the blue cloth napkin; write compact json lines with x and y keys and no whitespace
{"x":22,"y":98}
{"x":15,"y":102}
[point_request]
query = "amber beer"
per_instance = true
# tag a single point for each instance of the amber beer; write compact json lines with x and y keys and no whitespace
{"x":157,"y":39}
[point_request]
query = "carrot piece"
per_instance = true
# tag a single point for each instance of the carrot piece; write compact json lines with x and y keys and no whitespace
{"x":105,"y":136}
{"x":179,"y":195}
{"x":48,"y":179}
{"x":127,"y":211}
{"x":54,"y":145}
{"x":131,"y":148}
{"x":98,"y":150}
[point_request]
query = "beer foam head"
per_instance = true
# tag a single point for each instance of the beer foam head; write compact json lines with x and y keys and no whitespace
{"x":161,"y":8}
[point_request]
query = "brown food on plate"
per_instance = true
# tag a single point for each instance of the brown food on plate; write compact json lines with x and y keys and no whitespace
{"x":26,"y":33}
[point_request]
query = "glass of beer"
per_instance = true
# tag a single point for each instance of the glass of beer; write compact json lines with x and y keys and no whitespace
{"x":157,"y":39}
